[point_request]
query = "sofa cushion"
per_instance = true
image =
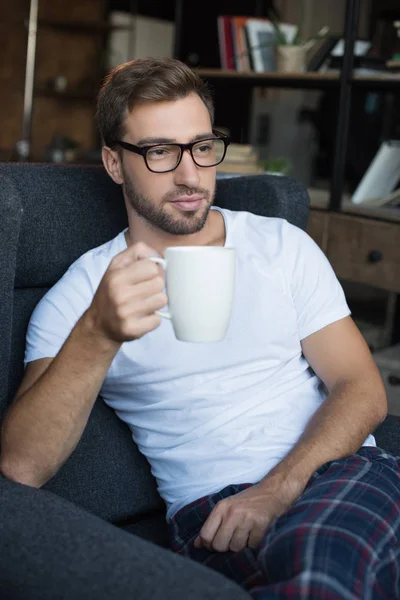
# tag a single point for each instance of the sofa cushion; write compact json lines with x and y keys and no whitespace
{"x":51,"y":549}
{"x":153,"y":528}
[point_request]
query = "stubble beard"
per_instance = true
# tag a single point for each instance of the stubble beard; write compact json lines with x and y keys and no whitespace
{"x":156,"y":216}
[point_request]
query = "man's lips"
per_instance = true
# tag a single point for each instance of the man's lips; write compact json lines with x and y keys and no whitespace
{"x":192,"y":198}
{"x":188,"y":202}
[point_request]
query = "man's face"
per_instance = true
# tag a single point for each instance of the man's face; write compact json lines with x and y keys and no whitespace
{"x":177,"y":202}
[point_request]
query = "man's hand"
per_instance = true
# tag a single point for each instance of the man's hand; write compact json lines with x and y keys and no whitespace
{"x":241,"y":520}
{"x":123,"y":308}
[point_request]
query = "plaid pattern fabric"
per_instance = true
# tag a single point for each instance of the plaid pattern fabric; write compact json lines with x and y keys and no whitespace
{"x":339,"y":541}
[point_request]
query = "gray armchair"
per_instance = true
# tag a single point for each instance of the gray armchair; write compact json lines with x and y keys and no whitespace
{"x":97,"y":528}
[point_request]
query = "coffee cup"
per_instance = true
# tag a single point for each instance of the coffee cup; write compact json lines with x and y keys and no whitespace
{"x":200,"y":282}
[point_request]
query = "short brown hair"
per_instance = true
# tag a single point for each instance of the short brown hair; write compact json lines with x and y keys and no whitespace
{"x":145,"y":80}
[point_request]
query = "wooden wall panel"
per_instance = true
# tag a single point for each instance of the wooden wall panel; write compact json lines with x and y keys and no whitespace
{"x":76,"y":56}
{"x":71,"y":10}
{"x":12,"y":72}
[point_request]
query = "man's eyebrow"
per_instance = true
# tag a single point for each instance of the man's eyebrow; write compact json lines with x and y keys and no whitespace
{"x":161,"y":140}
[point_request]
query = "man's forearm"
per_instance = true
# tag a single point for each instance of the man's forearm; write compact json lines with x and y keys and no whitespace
{"x":339,"y":427}
{"x":44,"y":424}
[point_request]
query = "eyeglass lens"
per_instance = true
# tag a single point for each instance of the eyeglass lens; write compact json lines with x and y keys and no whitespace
{"x":206,"y":153}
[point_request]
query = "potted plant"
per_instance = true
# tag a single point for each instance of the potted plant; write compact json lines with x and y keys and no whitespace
{"x":279,"y":165}
{"x":291,"y":55}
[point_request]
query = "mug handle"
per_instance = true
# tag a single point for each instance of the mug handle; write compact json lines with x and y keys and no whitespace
{"x":163,"y":263}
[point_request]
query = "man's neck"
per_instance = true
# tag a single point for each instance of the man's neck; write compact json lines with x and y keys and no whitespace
{"x":212,"y":234}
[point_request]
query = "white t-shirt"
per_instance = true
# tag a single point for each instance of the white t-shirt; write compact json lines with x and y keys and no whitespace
{"x":213,"y":414}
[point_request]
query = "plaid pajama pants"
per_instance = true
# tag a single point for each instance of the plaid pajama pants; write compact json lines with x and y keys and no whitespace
{"x":339,"y":541}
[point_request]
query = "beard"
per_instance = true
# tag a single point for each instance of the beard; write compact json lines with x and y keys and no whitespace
{"x":157,"y":216}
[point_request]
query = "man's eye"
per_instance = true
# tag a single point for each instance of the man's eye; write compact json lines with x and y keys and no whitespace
{"x":206,"y":147}
{"x":158,"y":152}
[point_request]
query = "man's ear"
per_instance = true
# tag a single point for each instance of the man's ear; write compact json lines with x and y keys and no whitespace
{"x":112,"y":164}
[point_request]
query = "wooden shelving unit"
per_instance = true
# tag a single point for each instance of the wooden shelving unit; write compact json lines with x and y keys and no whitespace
{"x":308,"y":80}
{"x":79,"y":27}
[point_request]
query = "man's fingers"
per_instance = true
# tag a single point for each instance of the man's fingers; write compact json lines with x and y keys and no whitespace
{"x":239,"y":539}
{"x":255,"y":538}
{"x":147,"y":324}
{"x":132,"y":254}
{"x":137,"y":273}
{"x":223,"y":536}
{"x":209,"y":529}
{"x":156,"y":302}
{"x":139,"y":283}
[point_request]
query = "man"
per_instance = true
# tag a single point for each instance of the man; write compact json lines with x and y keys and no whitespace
{"x":266,"y":476}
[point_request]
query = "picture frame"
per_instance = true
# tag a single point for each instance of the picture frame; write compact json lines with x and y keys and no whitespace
{"x":262,"y":39}
{"x":322,"y":53}
{"x":330,"y":54}
{"x":381,"y":178}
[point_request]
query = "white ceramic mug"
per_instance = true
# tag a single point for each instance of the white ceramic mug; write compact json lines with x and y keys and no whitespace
{"x":200,"y":283}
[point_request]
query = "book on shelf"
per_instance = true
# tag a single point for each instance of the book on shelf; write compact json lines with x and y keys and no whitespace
{"x":248,"y":43}
{"x":241,"y":152}
{"x":240,"y":48}
{"x":225,"y":42}
{"x":261,"y":41}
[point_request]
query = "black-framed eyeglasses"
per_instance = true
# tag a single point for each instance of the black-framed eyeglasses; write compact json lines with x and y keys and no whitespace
{"x":162,"y":158}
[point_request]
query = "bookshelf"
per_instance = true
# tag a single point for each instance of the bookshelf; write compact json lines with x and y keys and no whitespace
{"x":360,"y":241}
{"x":307,"y":80}
{"x":343,"y":82}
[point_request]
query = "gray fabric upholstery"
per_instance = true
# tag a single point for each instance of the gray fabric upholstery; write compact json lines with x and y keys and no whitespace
{"x":10,"y":218}
{"x":387,"y":435}
{"x":151,"y":528}
{"x":52,"y":550}
{"x":67,"y":211}
{"x":268,"y":195}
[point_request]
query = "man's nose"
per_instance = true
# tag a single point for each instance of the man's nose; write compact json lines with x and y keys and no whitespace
{"x":187,"y":173}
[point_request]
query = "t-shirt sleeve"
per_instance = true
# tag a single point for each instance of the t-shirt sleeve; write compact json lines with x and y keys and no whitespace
{"x":57,"y":313}
{"x":317,"y":294}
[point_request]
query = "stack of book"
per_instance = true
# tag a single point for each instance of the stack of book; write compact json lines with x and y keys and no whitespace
{"x":242,"y":159}
{"x":248,"y":44}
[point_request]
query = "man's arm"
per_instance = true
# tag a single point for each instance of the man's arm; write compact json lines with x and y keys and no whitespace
{"x":47,"y":418}
{"x":49,"y":413}
{"x":355,"y":405}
